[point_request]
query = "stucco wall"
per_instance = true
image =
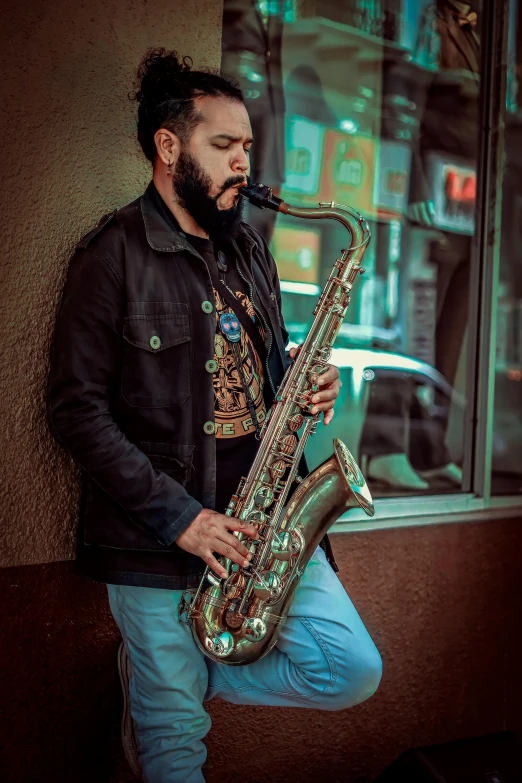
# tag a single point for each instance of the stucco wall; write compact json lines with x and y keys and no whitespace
{"x":69,"y":155}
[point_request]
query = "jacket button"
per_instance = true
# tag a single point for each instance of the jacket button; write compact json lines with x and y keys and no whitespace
{"x":155,"y":342}
{"x":209,"y":427}
{"x":211,"y":365}
{"x":207,"y":307}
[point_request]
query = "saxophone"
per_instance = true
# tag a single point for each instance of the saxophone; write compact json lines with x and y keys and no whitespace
{"x":236,"y":620}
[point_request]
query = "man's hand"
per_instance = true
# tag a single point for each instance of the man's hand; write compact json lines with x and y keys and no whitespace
{"x":208,"y":533}
{"x":329,"y":391}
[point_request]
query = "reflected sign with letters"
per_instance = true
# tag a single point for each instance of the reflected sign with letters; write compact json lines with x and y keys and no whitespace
{"x":392,"y":180}
{"x":304,"y":147}
{"x":453,"y":186}
{"x":349,"y":170}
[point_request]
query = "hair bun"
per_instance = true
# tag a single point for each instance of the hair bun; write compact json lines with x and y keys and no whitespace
{"x":166,"y":90}
{"x":162,"y":76}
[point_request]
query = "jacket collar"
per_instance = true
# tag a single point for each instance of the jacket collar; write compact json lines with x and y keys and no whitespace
{"x":163,"y":236}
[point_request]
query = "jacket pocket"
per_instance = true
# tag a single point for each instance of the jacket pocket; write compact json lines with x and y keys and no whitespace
{"x":173,"y":459}
{"x":156,"y":358}
{"x":107,"y":524}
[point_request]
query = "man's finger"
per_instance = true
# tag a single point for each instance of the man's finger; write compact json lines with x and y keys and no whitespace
{"x":231,"y":540}
{"x":326,"y":394}
{"x":329,"y":376}
{"x":215,"y":565}
{"x":229,"y":551}
{"x":328,"y":416}
{"x":323,"y":406}
{"x":238,"y":524}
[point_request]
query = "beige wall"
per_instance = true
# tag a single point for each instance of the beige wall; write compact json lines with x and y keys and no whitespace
{"x":69,"y":155}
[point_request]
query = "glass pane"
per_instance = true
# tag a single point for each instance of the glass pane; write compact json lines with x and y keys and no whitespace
{"x":507,"y":421}
{"x":373,"y":104}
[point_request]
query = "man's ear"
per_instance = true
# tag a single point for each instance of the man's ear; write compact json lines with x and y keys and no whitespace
{"x":168,"y":146}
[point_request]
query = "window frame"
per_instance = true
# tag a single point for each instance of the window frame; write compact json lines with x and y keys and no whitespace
{"x":486,"y":251}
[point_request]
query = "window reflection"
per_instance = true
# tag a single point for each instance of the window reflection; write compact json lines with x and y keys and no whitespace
{"x":374,"y":104}
{"x":251,"y":52}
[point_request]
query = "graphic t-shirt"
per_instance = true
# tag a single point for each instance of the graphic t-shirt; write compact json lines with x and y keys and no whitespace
{"x":236,"y":443}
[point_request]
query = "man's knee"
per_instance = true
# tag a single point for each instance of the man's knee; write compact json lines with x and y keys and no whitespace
{"x":358,"y":677}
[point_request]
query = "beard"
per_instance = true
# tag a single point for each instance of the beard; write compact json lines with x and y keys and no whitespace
{"x":192,"y":186}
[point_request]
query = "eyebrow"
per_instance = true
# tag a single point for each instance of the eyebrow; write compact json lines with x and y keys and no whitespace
{"x":230,"y":137}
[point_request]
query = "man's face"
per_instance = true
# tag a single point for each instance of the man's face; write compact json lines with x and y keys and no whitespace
{"x":214,"y":164}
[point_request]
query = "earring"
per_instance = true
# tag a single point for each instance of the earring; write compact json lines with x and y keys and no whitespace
{"x":168,"y":169}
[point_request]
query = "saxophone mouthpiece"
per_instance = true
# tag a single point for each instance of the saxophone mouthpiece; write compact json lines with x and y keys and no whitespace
{"x":261,"y":196}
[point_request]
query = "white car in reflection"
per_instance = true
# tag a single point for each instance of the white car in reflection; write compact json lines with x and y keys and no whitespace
{"x":358,"y":367}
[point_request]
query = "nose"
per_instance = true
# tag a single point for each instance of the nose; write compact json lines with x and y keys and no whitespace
{"x":241,"y":164}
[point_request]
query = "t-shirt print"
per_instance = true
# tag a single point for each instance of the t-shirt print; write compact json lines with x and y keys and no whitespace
{"x":232,"y":416}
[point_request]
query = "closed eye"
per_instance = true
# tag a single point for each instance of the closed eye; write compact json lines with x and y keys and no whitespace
{"x":227,"y":146}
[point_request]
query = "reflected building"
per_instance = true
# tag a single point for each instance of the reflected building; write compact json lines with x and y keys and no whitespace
{"x":251,"y":53}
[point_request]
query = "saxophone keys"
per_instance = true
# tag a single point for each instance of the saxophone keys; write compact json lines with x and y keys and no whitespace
{"x":325,"y":353}
{"x":287,"y":444}
{"x":268,"y":585}
{"x":295,"y":422}
{"x":297,"y":544}
{"x":254,"y":629}
{"x":282,"y":546}
{"x":315,"y":371}
{"x":233,"y":586}
{"x":264,"y":497}
{"x":278,"y":469}
{"x":255,"y":517}
{"x":220,"y":645}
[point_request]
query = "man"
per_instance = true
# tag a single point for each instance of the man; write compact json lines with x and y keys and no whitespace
{"x":160,"y":410}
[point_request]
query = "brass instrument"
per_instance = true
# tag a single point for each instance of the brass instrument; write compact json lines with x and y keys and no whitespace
{"x":237,"y":620}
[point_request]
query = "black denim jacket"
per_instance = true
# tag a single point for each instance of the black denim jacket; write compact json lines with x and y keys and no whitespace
{"x":129,"y":395}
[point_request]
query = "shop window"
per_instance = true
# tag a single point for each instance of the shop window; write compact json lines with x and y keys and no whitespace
{"x":375,"y":105}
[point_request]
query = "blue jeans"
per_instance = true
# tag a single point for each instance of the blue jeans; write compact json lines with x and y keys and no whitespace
{"x":324,"y":659}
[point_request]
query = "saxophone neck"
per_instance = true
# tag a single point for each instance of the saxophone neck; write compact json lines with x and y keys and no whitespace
{"x":263,"y":197}
{"x":352,"y":220}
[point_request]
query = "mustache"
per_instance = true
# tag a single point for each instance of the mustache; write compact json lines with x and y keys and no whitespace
{"x":230,"y":182}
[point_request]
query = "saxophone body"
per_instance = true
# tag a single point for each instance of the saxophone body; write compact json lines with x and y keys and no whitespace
{"x":237,"y":620}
